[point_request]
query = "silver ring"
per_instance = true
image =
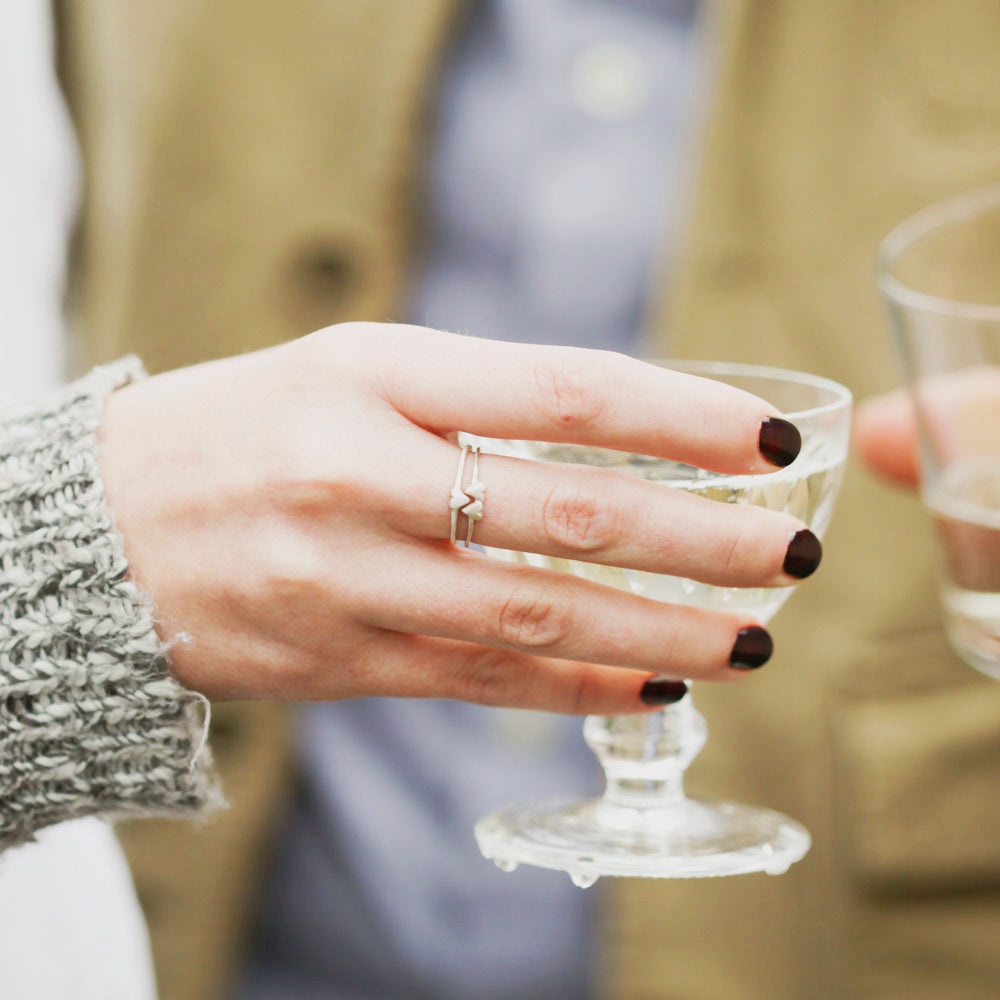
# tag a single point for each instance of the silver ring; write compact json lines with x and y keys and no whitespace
{"x":476,"y":491}
{"x":467,"y":501}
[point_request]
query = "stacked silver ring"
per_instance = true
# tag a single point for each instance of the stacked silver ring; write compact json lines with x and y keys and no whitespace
{"x":467,"y":500}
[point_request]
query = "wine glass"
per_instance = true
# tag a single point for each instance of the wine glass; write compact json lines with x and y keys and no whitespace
{"x":939,"y":273}
{"x":644,"y":824}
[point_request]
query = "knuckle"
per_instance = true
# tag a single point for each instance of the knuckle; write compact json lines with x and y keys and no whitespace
{"x":530,"y":619}
{"x":670,"y":645}
{"x":679,"y":648}
{"x":578,"y":690}
{"x":575,"y":518}
{"x":730,"y":558}
{"x":308,"y":360}
{"x":574,"y":388}
{"x":708,"y":421}
{"x":486,"y":679}
{"x":309,"y":486}
{"x":343,"y":336}
{"x":348,"y":355}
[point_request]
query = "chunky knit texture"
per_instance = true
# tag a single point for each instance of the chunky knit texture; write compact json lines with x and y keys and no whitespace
{"x":90,"y":719}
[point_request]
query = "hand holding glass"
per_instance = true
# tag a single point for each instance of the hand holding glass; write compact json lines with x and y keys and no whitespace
{"x":939,"y":273}
{"x":644,"y":825}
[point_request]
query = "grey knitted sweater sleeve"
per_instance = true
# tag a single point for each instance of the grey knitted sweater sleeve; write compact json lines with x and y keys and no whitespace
{"x":90,"y":719}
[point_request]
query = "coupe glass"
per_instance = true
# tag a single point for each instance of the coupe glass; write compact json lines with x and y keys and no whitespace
{"x":939,"y":273}
{"x":644,"y":824}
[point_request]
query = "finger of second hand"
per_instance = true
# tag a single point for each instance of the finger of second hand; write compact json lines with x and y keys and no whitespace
{"x":464,"y":595}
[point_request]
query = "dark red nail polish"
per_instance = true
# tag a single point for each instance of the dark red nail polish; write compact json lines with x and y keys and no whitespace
{"x":804,"y":554}
{"x":752,"y":649}
{"x":779,"y":441}
{"x":663,"y":691}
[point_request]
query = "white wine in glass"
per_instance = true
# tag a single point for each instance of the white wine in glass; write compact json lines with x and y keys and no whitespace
{"x":644,"y":824}
{"x":965,"y":507}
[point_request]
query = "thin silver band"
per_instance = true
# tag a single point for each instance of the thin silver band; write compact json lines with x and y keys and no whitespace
{"x":458,"y":498}
{"x":468,"y":501}
{"x":476,"y":491}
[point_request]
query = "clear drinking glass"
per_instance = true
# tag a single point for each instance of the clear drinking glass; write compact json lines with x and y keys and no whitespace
{"x":939,"y":273}
{"x":644,"y":824}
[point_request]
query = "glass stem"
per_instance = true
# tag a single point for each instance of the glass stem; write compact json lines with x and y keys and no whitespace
{"x":644,"y":757}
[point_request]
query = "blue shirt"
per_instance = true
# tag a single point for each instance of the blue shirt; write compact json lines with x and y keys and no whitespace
{"x":562,"y":138}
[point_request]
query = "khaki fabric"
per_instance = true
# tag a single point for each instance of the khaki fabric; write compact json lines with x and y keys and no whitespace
{"x":252,"y":173}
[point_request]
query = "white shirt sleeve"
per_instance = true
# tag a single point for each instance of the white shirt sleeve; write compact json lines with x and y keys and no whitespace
{"x":70,"y":925}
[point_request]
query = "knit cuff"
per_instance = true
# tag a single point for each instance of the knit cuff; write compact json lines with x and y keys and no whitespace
{"x":91,"y":721}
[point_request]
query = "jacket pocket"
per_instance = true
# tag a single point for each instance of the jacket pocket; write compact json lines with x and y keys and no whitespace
{"x":916,"y":738}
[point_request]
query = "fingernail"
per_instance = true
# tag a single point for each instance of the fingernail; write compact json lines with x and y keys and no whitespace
{"x":752,"y":649}
{"x":662,"y":691}
{"x":779,"y":441}
{"x":804,"y":554}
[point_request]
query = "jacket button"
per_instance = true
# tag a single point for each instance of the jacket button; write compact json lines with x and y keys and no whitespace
{"x":324,"y":275}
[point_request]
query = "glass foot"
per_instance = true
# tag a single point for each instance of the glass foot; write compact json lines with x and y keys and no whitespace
{"x":593,"y":837}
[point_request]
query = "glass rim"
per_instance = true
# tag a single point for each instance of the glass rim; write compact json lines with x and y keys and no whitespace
{"x":954,"y":209}
{"x":843,"y":397}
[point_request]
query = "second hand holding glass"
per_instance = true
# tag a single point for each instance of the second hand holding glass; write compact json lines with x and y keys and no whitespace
{"x":940,"y":281}
{"x":644,"y":824}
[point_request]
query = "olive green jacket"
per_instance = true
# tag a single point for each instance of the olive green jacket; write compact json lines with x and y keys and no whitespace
{"x":252,"y":174}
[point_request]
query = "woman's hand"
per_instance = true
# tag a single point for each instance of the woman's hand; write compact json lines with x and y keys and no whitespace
{"x":288,"y":512}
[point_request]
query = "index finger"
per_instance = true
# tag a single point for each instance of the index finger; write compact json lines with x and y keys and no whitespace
{"x":582,"y":396}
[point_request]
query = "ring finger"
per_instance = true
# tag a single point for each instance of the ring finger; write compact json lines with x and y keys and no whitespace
{"x":602,"y":516}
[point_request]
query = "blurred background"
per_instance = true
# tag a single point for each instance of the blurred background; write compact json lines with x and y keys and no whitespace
{"x":686,"y":178}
